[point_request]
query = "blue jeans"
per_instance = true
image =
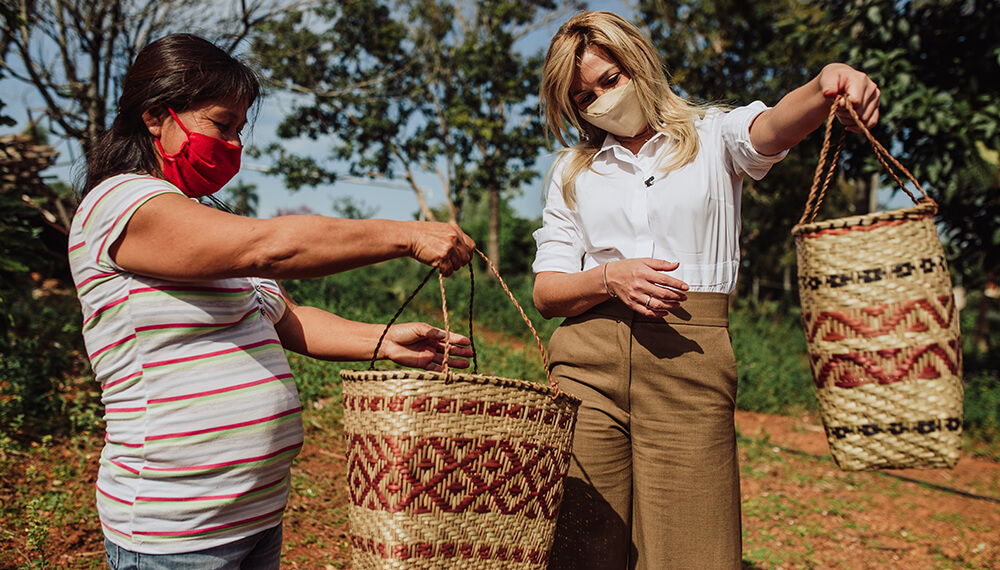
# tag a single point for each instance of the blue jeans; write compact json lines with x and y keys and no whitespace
{"x":261,"y":551}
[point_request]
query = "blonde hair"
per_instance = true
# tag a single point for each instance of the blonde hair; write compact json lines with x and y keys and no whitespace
{"x":665,"y":111}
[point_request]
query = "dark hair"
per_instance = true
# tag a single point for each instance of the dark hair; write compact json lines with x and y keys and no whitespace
{"x":177,"y":71}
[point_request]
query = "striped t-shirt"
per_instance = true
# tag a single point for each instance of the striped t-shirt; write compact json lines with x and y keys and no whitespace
{"x":203,"y":418}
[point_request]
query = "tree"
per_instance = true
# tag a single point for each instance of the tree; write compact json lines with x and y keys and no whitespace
{"x":243,"y":198}
{"x":938,"y":64}
{"x":351,"y":209}
{"x":75,"y":54}
{"x":411,"y":86}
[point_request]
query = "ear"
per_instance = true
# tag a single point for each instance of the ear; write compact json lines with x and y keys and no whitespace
{"x":153,"y":117}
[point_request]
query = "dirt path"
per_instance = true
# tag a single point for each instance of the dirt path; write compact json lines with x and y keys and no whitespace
{"x":801,"y":511}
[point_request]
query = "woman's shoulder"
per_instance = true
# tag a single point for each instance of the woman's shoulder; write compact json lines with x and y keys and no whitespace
{"x":122,"y":192}
{"x":130,"y":179}
{"x":718,"y":113}
{"x":128,"y":183}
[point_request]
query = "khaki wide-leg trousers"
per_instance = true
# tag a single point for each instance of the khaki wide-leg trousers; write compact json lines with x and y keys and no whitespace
{"x":654,"y":482}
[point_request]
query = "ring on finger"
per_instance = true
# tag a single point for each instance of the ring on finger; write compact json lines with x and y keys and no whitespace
{"x":648,"y":299}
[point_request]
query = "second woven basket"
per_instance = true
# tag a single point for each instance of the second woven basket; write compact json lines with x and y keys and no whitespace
{"x":882,"y":330}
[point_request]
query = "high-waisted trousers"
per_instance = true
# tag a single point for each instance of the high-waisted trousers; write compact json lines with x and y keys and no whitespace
{"x":654,"y":480}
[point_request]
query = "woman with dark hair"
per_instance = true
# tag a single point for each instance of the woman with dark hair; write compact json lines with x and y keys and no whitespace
{"x":186,"y":328}
{"x":639,"y":249}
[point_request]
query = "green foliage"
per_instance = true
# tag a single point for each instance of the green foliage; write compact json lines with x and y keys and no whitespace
{"x":517,"y":246}
{"x":938,"y":65}
{"x":20,"y":241}
{"x":243,"y":199}
{"x":982,"y":406}
{"x":40,"y":352}
{"x":48,"y":490}
{"x":40,"y":335}
{"x":770,"y":351}
{"x":347,"y":207}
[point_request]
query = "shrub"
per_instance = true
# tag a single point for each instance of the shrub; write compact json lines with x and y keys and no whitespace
{"x":771,"y":357}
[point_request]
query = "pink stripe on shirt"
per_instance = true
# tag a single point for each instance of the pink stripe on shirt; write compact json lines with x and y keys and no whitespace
{"x":92,"y":278}
{"x":120,"y":380}
{"x":211,"y":354}
{"x":112,"y":497}
{"x":212,"y":528}
{"x":249,"y":314}
{"x":102,"y":309}
{"x":217,"y":429}
{"x":225,"y":463}
{"x":154,"y":401}
{"x":117,"y":343}
{"x":210,"y":497}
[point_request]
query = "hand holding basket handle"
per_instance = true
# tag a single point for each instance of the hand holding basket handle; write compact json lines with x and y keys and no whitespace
{"x":840,"y":108}
{"x":446,"y":361}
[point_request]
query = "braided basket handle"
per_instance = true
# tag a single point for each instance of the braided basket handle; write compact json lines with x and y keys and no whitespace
{"x":444,"y":309}
{"x":821,"y":184}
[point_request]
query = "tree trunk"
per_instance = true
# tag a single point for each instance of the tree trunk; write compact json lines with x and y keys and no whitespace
{"x":493,"y":248}
{"x":873,"y":193}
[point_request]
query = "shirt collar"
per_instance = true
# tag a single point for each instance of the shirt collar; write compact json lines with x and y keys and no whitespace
{"x":612,"y":145}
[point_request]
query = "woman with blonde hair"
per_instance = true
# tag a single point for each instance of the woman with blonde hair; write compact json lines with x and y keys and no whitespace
{"x":639,"y":250}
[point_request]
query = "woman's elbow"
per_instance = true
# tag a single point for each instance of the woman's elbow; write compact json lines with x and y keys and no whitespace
{"x":543,"y":303}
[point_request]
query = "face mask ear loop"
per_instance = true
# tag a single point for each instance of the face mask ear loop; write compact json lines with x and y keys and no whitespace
{"x":174,"y":115}
{"x":187,"y":135}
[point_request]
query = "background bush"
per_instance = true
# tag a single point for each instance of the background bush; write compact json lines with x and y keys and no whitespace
{"x":46,"y":386}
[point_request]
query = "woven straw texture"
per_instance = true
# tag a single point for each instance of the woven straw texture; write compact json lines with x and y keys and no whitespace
{"x":453,"y":470}
{"x":882,"y":331}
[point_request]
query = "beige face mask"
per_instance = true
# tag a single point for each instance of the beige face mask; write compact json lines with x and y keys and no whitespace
{"x":617,"y":111}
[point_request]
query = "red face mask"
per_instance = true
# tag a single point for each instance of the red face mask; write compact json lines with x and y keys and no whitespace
{"x":203,"y":165}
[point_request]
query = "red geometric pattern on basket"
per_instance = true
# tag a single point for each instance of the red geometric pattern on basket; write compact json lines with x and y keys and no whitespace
{"x":901,"y":270}
{"x":428,"y":404}
{"x":455,"y":474}
{"x":450,"y":551}
{"x":885,"y":366}
{"x":919,"y":315}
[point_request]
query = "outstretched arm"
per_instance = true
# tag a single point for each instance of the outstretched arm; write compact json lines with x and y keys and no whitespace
{"x":803,"y":110}
{"x":172,"y":237}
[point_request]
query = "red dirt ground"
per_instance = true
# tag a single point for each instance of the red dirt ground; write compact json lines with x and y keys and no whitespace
{"x":800,"y":510}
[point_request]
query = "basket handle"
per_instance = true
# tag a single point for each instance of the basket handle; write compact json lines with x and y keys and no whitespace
{"x":821,"y":184}
{"x":444,"y":308}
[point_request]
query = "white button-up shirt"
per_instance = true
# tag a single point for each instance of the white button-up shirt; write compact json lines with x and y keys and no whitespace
{"x":627,"y":207}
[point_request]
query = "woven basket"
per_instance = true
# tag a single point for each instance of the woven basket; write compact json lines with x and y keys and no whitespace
{"x":449,"y":470}
{"x":882,"y":330}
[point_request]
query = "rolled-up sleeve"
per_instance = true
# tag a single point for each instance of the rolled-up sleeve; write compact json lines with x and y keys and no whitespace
{"x":736,"y":137}
{"x":560,"y":240}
